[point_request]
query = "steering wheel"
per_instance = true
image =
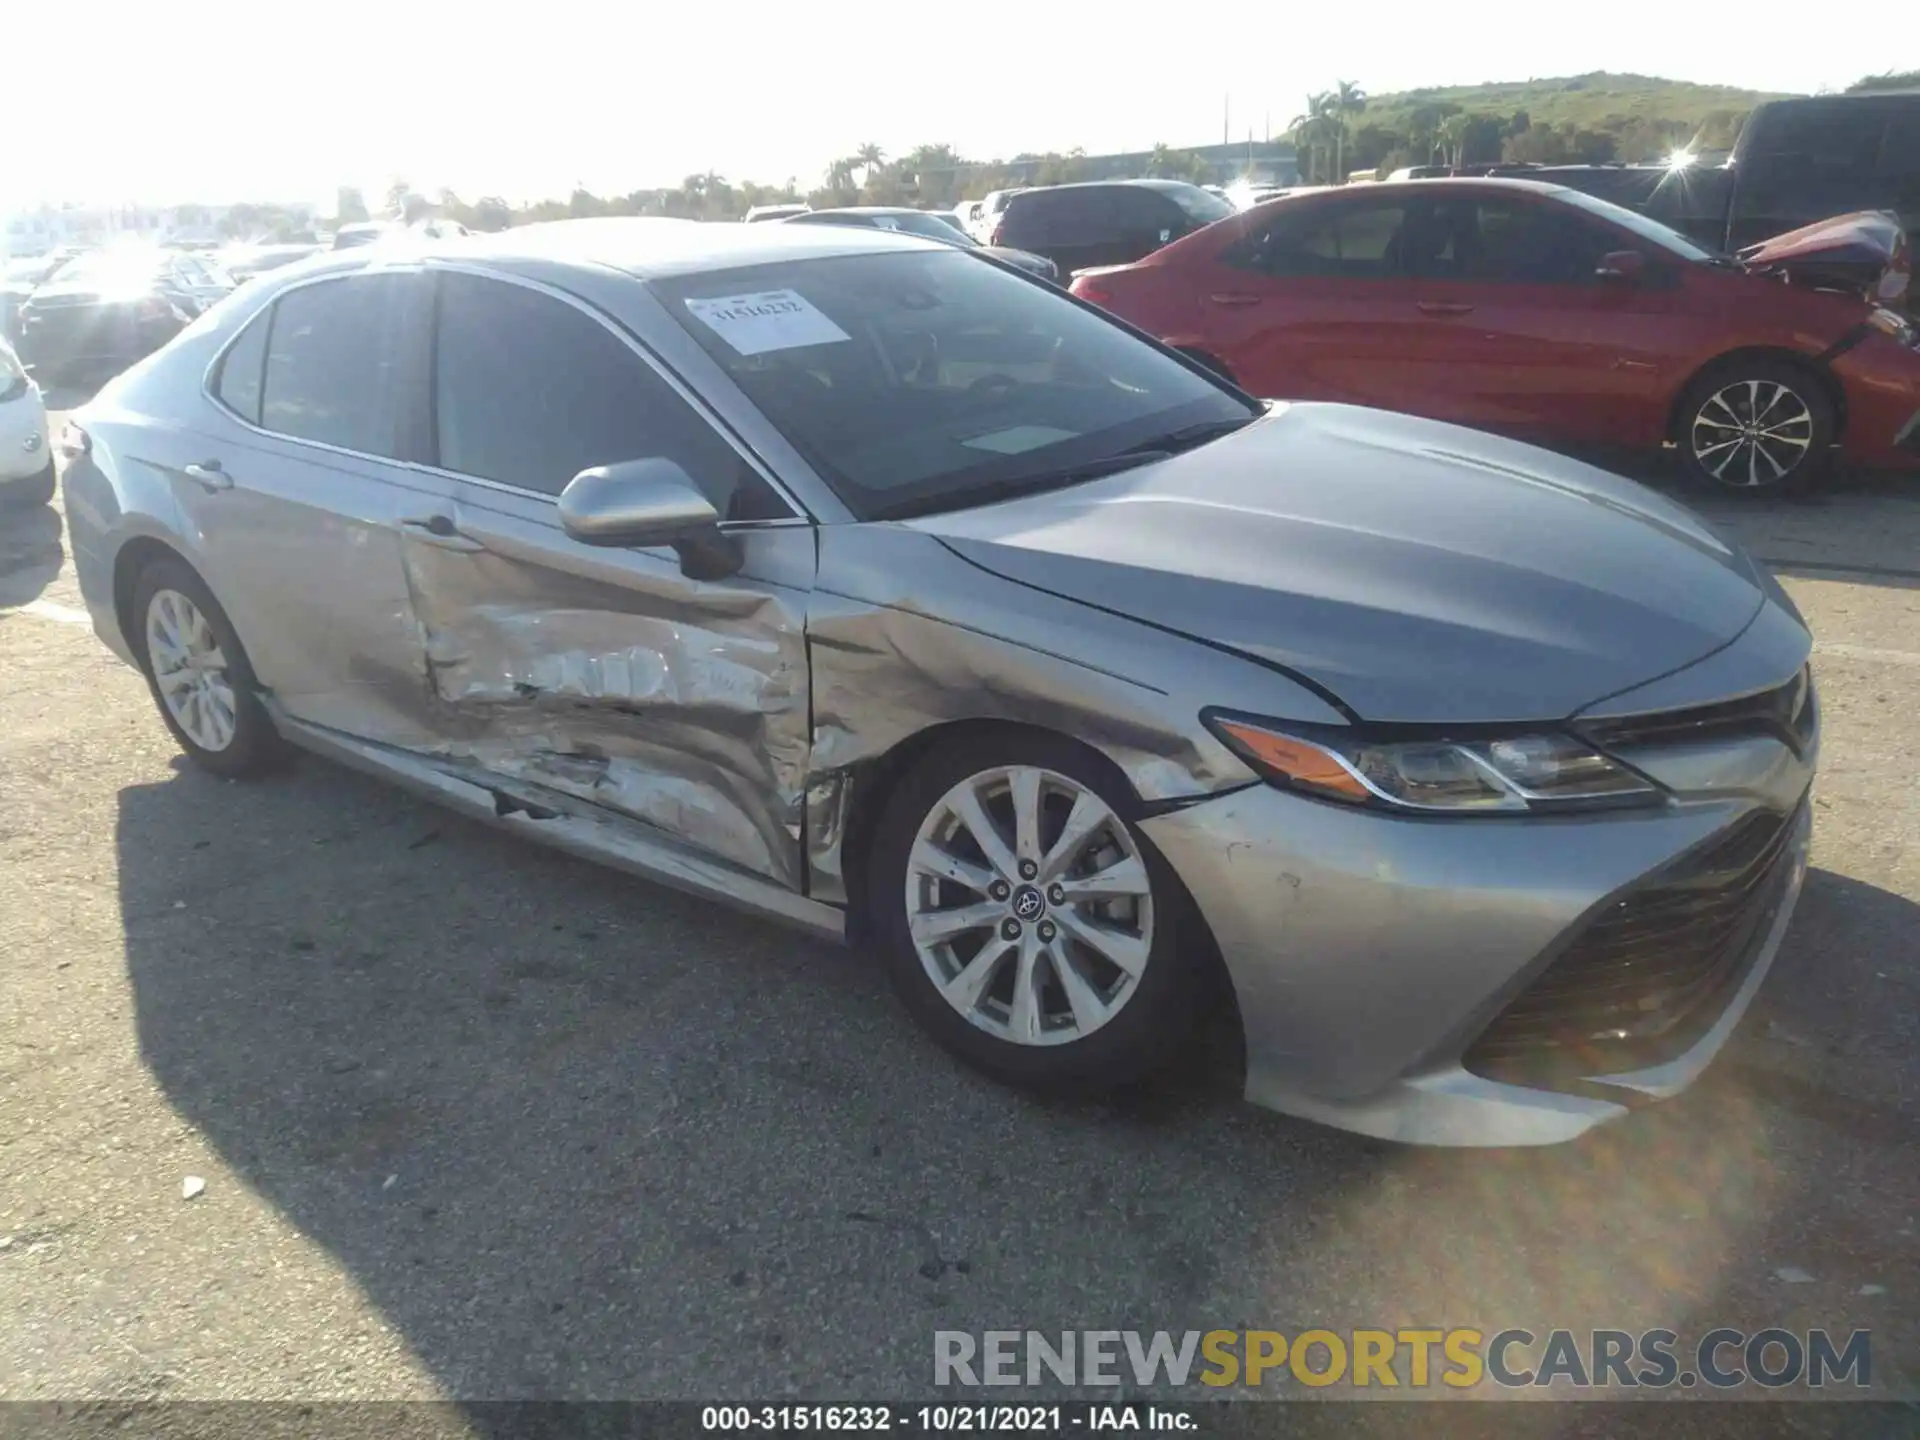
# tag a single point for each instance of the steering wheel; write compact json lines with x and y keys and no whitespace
{"x":992,"y":387}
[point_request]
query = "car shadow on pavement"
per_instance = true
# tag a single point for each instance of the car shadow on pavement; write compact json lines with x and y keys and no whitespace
{"x":30,"y":552}
{"x":577,"y":1136}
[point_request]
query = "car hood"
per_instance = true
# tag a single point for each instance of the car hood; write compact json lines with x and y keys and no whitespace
{"x":1866,"y":251}
{"x":1419,"y":572}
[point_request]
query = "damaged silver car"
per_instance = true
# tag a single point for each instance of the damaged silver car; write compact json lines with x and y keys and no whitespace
{"x":873,"y":586}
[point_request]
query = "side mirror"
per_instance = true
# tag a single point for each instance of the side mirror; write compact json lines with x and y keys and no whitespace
{"x":645,"y":503}
{"x":1624,"y":266}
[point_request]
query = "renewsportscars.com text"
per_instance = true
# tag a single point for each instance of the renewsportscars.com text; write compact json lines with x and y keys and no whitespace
{"x":1458,"y":1358}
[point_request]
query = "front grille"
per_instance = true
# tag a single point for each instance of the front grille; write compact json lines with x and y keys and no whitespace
{"x":1635,"y":986}
{"x":1788,"y":712}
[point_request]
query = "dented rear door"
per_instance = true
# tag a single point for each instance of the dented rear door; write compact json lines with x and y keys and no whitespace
{"x":607,"y":674}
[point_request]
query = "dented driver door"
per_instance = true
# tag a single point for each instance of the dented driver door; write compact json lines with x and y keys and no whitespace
{"x":606,"y":674}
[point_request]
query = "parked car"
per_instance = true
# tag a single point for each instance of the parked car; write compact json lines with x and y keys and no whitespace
{"x":933,"y":227}
{"x":364,"y":232}
{"x":987,"y":213}
{"x":250,"y":260}
{"x":1105,"y":222}
{"x":26,"y":458}
{"x":759,"y":213}
{"x":108,"y":308}
{"x":1795,"y":162}
{"x":831,"y":574}
{"x":1540,"y":311}
{"x":19,"y":280}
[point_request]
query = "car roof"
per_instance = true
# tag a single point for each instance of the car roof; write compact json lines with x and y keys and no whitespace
{"x":876,"y":210}
{"x":1449,"y":183}
{"x":646,"y":248}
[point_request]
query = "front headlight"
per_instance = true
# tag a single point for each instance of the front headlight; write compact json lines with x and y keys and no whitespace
{"x":1534,"y":770}
{"x":1893,"y":325}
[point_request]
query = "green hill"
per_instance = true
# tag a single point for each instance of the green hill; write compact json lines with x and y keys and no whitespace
{"x":1597,"y":101}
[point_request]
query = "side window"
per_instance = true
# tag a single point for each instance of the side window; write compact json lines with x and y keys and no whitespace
{"x":334,"y":361}
{"x":239,"y":383}
{"x":1495,"y":238}
{"x":1144,"y":214}
{"x":1900,"y":149}
{"x":1839,"y":138}
{"x":1343,"y":241}
{"x":530,"y":391}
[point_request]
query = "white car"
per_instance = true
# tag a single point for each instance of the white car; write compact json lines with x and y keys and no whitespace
{"x":26,"y":457}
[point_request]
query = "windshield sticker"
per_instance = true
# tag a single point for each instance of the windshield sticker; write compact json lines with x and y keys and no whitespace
{"x":771,"y":320}
{"x":1017,"y":439}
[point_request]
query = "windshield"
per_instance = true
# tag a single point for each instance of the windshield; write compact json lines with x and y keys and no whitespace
{"x":111,"y":270}
{"x":1202,"y":207}
{"x":1646,"y":228}
{"x":926,"y":381}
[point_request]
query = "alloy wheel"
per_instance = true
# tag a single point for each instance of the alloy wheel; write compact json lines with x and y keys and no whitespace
{"x":1752,"y":433}
{"x":190,"y":670}
{"x":1030,"y":905}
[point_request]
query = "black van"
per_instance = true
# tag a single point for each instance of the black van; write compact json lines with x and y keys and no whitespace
{"x":1105,"y":222}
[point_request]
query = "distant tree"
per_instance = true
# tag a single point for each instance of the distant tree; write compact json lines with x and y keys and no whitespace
{"x":869,"y":157}
{"x":490,"y":212}
{"x":1313,"y":131}
{"x":583,"y":204}
{"x":397,"y":193}
{"x":1348,"y":99}
{"x":1892,"y":80}
{"x":1452,"y":136}
{"x":349,"y":205}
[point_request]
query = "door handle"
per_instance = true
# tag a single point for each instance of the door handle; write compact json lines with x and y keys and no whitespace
{"x":208,"y":476}
{"x":1443,"y":307}
{"x":440,"y":531}
{"x":1233,"y":300}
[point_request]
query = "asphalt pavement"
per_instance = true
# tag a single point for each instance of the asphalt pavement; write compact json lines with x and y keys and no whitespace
{"x":471,"y":1119}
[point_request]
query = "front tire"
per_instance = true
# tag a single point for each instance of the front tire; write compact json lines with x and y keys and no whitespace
{"x":1753,"y":427}
{"x":1026,"y":922}
{"x":199,"y":674}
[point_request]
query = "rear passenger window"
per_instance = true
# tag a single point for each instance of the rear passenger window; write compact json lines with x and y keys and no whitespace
{"x":333,"y":363}
{"x":1349,"y":241}
{"x":530,"y":391}
{"x":239,"y":384}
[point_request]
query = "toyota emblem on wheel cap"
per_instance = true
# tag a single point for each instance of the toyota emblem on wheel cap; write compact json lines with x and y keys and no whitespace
{"x":1028,"y":903}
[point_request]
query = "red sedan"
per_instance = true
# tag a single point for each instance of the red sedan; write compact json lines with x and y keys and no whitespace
{"x":1541,"y":312}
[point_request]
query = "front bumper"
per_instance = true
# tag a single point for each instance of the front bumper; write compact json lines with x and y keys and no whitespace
{"x":1881,"y":379}
{"x":25,"y":448}
{"x":1444,"y":981}
{"x":1370,"y":954}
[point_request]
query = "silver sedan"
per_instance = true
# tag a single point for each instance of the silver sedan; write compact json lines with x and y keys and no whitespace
{"x":842,"y":576}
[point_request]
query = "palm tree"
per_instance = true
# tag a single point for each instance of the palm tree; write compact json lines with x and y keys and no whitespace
{"x":840,"y":174}
{"x":1348,"y":99}
{"x":1313,"y":128}
{"x":870,"y":157}
{"x":1453,"y":137}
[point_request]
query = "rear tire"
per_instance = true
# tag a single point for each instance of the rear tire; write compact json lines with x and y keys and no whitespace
{"x":199,"y":674}
{"x":1752,"y":427}
{"x":1060,"y":955}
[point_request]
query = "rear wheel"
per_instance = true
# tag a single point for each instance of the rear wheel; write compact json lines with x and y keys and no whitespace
{"x":1026,"y":922}
{"x":1755,"y":425}
{"x":199,"y":674}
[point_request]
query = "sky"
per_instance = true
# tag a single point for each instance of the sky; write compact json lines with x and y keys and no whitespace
{"x":222,"y":100}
